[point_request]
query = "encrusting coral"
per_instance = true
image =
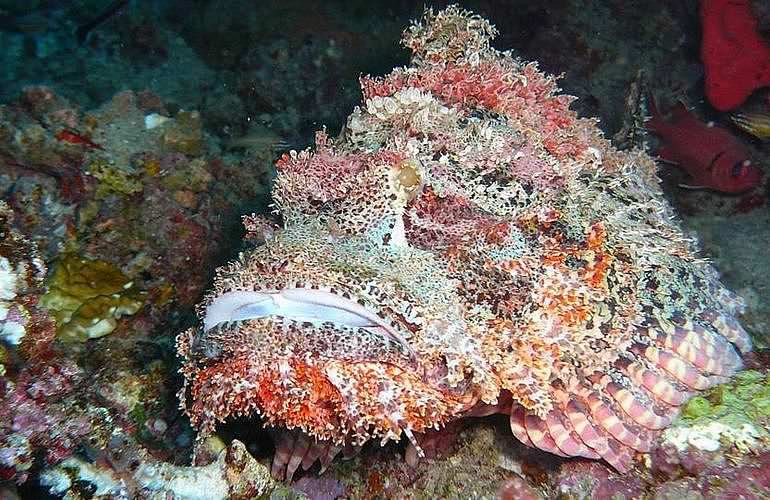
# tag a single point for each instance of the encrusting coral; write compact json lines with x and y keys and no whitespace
{"x":466,"y":246}
{"x":24,"y":326}
{"x":233,"y":474}
{"x":87,"y":297}
{"x":734,"y":414}
{"x":21,"y":272}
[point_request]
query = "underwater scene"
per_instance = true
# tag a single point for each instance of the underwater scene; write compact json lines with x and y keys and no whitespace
{"x":359,"y":249}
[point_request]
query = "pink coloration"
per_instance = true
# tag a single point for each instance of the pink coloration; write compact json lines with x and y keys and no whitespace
{"x":259,"y":228}
{"x":489,"y":85}
{"x":35,"y":415}
{"x":712,"y":157}
{"x":518,"y":489}
{"x":747,"y":476}
{"x":326,"y":176}
{"x":582,"y":479}
{"x":320,"y":488}
{"x":529,"y":166}
{"x":736,"y":58}
{"x":443,"y":222}
{"x":504,"y":257}
{"x":434,"y":443}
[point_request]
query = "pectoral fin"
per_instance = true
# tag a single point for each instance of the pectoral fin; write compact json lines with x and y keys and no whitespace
{"x":692,"y":187}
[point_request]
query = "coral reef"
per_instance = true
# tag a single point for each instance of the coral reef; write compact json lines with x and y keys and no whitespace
{"x":481,"y":250}
{"x":146,"y":201}
{"x":87,"y":297}
{"x":35,"y":415}
{"x":728,"y":425}
{"x":234,"y":474}
{"x":120,"y":215}
{"x":38,"y":417}
{"x":462,"y":191}
{"x":21,"y":278}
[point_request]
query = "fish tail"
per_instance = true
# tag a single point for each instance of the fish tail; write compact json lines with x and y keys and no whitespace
{"x":756,"y":124}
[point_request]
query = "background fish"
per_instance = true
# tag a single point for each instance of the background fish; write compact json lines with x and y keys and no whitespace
{"x":756,"y":124}
{"x":711,"y":155}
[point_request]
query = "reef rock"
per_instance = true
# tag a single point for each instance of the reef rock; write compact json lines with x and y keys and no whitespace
{"x":466,"y":246}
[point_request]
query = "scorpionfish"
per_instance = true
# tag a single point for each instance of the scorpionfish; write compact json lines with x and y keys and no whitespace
{"x":467,"y":245}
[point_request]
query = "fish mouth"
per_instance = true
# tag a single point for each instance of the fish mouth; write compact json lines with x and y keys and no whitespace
{"x":300,"y":305}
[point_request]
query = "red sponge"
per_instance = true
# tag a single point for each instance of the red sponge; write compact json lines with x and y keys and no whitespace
{"x":735,"y":56}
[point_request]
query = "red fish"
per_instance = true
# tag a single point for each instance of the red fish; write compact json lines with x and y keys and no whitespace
{"x":711,"y":156}
{"x":71,"y":137}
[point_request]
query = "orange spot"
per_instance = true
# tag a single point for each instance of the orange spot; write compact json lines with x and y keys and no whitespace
{"x":495,"y":234}
{"x":597,"y":236}
{"x":554,"y":259}
{"x":595,"y":272}
{"x":314,"y":407}
{"x":374,"y":484}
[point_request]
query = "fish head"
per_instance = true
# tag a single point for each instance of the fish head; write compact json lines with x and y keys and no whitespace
{"x":734,"y":173}
{"x":341,"y":339}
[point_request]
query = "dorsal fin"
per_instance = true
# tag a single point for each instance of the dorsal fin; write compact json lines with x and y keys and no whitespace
{"x":655,"y":121}
{"x":680,"y":112}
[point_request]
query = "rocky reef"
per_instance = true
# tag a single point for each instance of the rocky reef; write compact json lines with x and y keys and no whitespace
{"x":105,"y":212}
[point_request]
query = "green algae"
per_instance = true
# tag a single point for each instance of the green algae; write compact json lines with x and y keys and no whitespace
{"x":113,"y":180}
{"x":747,"y":395}
{"x":87,"y":297}
{"x":138,"y":415}
{"x":184,"y":134}
{"x":194,"y":175}
{"x":697,"y":407}
{"x":735,"y":414}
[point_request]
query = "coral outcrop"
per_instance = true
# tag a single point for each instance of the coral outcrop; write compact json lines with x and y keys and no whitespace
{"x":22,"y":272}
{"x":87,"y":297}
{"x":724,"y":428}
{"x":466,"y":246}
{"x":101,"y":224}
{"x":234,"y":474}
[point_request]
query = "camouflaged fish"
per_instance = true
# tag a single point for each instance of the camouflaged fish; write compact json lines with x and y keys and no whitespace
{"x":467,"y":245}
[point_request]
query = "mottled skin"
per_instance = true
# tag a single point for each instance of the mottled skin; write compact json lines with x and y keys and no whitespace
{"x":514,"y":262}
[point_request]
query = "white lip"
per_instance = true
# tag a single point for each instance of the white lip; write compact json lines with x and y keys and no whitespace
{"x":299,"y":304}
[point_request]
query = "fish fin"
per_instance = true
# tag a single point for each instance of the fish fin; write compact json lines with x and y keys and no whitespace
{"x":756,"y":124}
{"x":690,"y":183}
{"x":680,"y":111}
{"x":691,"y":187}
{"x":663,"y":154}
{"x":654,"y":122}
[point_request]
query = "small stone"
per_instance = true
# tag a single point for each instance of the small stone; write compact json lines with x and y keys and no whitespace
{"x":159,"y":426}
{"x":186,"y":198}
{"x":154,"y":120}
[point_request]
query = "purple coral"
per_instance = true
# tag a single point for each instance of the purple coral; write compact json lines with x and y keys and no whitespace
{"x":35,"y":415}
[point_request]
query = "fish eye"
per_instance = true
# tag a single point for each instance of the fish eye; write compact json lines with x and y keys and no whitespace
{"x":737,"y":169}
